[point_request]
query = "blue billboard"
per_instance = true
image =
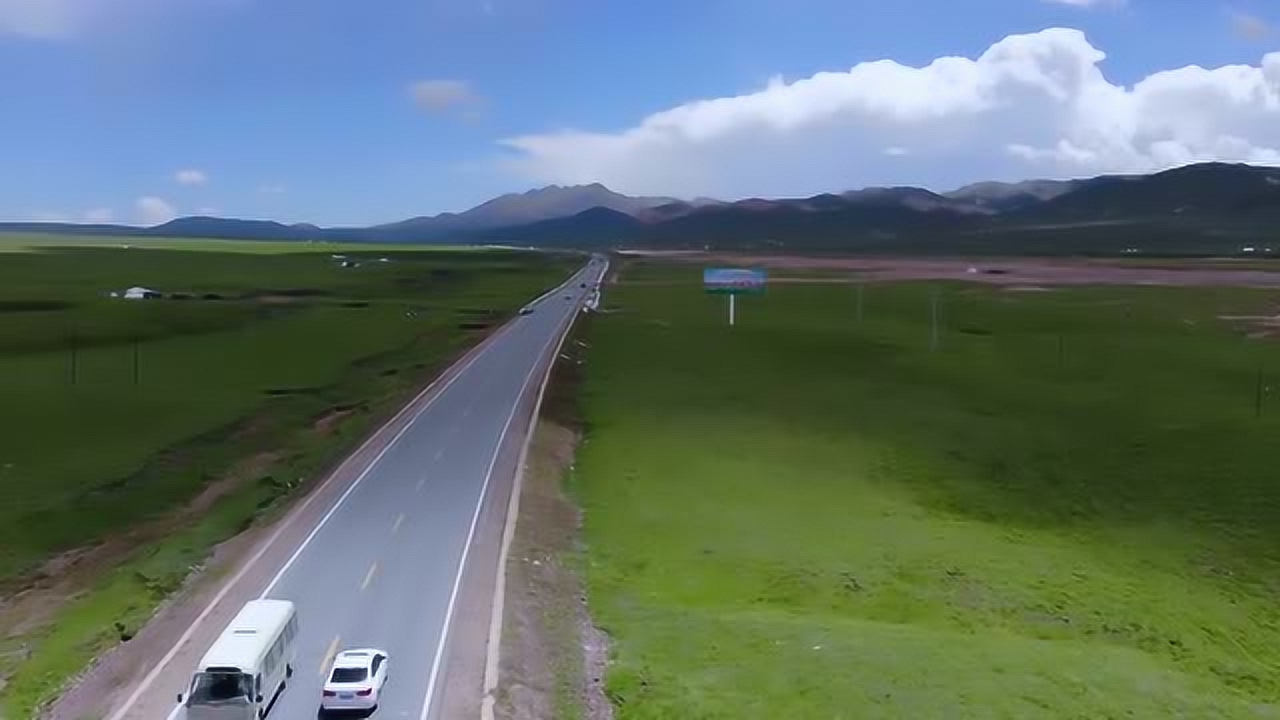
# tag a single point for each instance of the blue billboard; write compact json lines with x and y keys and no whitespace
{"x":733,"y":281}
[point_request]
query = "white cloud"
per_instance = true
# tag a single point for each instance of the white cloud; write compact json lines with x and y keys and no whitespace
{"x":441,"y":96}
{"x":1250,"y":27}
{"x":895,"y":151}
{"x":273,"y":189}
{"x":1031,"y":105}
{"x":99,"y":215}
{"x":190,"y":177}
{"x":154,"y":211}
{"x":207,"y":211}
{"x":42,"y":19}
{"x":67,"y":19}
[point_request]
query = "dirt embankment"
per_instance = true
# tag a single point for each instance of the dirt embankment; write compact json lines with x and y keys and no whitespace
{"x":553,"y":657}
{"x":34,"y":601}
{"x":62,"y":577}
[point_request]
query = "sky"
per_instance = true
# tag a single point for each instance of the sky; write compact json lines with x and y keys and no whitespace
{"x":354,"y":113}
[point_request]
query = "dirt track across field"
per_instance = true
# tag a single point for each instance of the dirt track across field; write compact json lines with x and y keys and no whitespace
{"x":1019,"y":271}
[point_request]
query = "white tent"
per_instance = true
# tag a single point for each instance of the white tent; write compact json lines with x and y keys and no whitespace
{"x":140,"y":293}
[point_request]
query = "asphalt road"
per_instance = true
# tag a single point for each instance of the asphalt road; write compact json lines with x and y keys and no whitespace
{"x":381,"y":567}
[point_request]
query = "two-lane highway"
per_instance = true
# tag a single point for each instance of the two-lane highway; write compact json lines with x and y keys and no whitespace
{"x":381,"y":567}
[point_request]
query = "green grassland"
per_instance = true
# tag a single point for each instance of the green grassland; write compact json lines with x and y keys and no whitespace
{"x":1070,"y":509}
{"x":29,"y":242}
{"x":267,"y":345}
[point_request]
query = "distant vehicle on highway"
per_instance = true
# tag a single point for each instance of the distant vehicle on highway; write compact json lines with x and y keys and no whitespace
{"x":355,"y":681}
{"x":246,"y":668}
{"x":527,"y":309}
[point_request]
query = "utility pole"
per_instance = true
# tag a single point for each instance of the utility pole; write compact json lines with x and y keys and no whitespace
{"x":74,"y":359}
{"x":933,"y":320}
{"x":1258,"y":389}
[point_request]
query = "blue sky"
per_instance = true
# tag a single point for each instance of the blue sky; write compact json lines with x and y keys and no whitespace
{"x":304,"y":110}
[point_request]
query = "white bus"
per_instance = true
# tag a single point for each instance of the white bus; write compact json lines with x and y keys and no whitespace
{"x":246,"y":668}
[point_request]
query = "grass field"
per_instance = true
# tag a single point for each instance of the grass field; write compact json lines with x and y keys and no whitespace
{"x":1070,"y":509}
{"x":26,"y":242}
{"x":274,"y":366}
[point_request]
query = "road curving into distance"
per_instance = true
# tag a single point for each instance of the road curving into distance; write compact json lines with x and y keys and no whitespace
{"x":375,"y":556}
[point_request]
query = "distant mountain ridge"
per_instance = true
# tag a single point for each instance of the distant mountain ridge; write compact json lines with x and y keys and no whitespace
{"x":1210,"y":206}
{"x":547,"y":203}
{"x":1001,"y":197}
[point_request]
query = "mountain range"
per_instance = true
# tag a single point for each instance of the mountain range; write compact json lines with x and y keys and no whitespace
{"x":1202,"y":208}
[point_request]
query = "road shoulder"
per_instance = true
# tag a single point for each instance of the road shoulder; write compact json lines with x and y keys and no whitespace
{"x":552,"y":658}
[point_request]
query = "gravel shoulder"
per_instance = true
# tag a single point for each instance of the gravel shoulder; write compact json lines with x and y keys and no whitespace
{"x":553,"y":658}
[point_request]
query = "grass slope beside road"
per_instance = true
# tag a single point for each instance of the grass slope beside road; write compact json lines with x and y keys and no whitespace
{"x":272,"y":368}
{"x":1068,"y":510}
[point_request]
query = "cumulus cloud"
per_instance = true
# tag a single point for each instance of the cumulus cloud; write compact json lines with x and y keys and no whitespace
{"x":443,"y":96}
{"x":190,"y":177}
{"x":1031,"y":105}
{"x":154,"y":211}
{"x":99,"y":215}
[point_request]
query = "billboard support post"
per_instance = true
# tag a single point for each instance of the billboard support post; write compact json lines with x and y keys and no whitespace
{"x":732,"y":282}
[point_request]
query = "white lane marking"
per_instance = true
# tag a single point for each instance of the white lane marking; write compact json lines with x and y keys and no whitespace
{"x":368,"y":469}
{"x":553,"y":290}
{"x":395,"y":527}
{"x":222,"y":593}
{"x":479,"y":352}
{"x":368,"y":578}
{"x":421,"y":480}
{"x":471,"y":532}
{"x":439,"y":453}
{"x":328,"y":657}
{"x":498,"y":605}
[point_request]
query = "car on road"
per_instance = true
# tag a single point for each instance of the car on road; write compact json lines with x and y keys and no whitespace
{"x":526,"y":310}
{"x":355,"y":681}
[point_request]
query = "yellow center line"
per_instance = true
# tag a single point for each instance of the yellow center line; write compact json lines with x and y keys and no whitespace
{"x":397,"y":524}
{"x":328,"y":656}
{"x":368,"y":578}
